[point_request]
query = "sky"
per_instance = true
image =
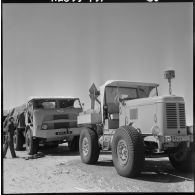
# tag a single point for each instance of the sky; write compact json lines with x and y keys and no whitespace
{"x":61,"y":49}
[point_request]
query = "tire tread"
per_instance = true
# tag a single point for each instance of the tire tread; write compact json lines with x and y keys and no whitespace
{"x":137,"y":148}
{"x":95,"y":150}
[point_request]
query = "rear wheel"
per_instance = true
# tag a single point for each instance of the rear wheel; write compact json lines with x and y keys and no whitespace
{"x":74,"y":144}
{"x":128,"y":151}
{"x":182,"y":158}
{"x":18,"y":140}
{"x":31,"y":144}
{"x":88,"y":146}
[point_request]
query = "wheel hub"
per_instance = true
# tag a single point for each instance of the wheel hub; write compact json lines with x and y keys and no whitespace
{"x":85,"y":146}
{"x":122,"y":152}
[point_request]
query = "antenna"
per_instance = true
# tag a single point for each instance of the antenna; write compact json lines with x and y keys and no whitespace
{"x":169,"y":74}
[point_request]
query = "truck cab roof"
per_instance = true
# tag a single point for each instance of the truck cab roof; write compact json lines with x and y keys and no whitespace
{"x":123,"y":83}
{"x":50,"y":97}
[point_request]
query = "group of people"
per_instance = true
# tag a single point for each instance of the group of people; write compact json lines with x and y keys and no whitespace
{"x":9,"y":137}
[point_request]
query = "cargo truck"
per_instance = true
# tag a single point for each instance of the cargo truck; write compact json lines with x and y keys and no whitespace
{"x":47,"y":120}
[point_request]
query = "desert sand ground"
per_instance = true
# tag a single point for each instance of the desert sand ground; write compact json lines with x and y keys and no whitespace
{"x":62,"y":171}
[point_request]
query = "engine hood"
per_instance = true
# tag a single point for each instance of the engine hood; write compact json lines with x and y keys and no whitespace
{"x":154,"y":100}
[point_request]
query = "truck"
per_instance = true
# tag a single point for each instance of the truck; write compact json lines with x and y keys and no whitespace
{"x":47,"y":120}
{"x":133,"y":121}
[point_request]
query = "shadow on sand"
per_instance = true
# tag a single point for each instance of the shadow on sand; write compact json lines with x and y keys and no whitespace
{"x":61,"y":150}
{"x":162,"y":171}
{"x":157,"y":171}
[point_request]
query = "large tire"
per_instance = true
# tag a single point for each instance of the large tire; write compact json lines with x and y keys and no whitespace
{"x":88,"y":146}
{"x":128,"y":151}
{"x":31,"y":144}
{"x":74,"y":144}
{"x":18,"y":140}
{"x":182,"y":158}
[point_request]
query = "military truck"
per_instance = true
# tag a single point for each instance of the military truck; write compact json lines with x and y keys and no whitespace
{"x":47,"y":120}
{"x":130,"y":119}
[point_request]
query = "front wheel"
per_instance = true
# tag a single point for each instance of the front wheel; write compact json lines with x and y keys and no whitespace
{"x":88,"y":146}
{"x":128,"y":151}
{"x":182,"y":158}
{"x":31,"y":144}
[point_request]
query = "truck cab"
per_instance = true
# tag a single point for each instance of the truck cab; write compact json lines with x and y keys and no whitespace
{"x":133,"y":121}
{"x":48,"y":120}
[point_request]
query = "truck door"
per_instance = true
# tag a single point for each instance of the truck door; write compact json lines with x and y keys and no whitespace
{"x":29,"y":113}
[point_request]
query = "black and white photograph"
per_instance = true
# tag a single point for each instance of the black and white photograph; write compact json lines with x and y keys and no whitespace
{"x":97,"y":96}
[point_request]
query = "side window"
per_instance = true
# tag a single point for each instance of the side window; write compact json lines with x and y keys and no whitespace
{"x":153,"y":92}
{"x":77,"y":104}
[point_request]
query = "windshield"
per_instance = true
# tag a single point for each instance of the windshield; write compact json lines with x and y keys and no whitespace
{"x":44,"y":104}
{"x":114,"y":93}
{"x":56,"y":103}
{"x":141,"y":93}
{"x":67,"y":103}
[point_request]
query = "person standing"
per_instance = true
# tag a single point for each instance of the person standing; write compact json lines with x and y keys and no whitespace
{"x":9,"y":141}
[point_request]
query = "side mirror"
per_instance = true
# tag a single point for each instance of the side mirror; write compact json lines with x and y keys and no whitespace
{"x":83,"y":104}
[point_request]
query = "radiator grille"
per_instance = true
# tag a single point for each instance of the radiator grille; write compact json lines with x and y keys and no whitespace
{"x":171,"y":115}
{"x":175,"y":115}
{"x":57,"y":121}
{"x":182,"y":120}
{"x":60,"y":116}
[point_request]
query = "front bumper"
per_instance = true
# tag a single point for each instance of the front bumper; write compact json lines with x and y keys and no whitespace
{"x":171,"y":141}
{"x":176,"y":138}
{"x":57,"y":134}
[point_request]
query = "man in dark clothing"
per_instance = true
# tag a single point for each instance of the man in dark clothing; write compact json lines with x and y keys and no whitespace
{"x":9,"y":142}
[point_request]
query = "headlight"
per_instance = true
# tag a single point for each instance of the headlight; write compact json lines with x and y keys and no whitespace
{"x":167,"y":138}
{"x":44,"y":127}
